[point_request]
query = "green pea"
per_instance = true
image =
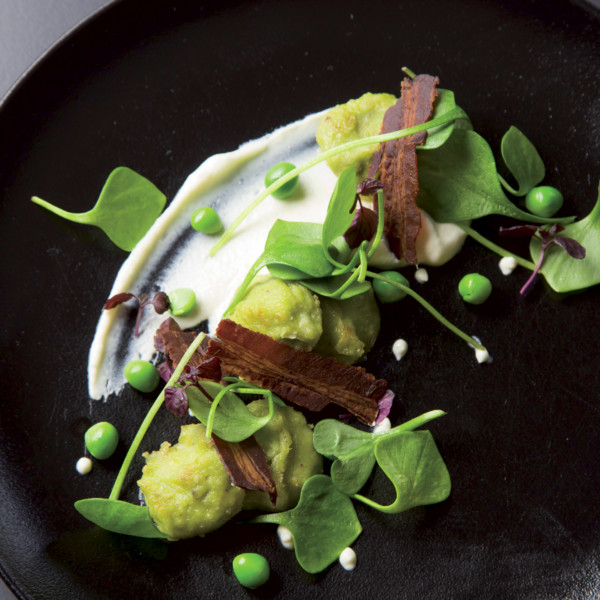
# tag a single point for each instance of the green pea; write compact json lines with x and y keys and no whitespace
{"x":475,"y":288}
{"x":182,"y":301}
{"x":206,"y":220}
{"x":101,"y":440}
{"x":388,"y":292}
{"x":544,"y":201}
{"x":141,"y":375}
{"x":252,"y":570}
{"x":277,"y":172}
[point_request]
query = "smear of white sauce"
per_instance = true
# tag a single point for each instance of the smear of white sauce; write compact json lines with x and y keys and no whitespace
{"x":348,"y":559}
{"x":173,"y":255}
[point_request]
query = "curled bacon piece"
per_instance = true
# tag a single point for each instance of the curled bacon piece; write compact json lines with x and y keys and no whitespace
{"x":246,"y":464}
{"x":298,"y":376}
{"x":396,"y":163}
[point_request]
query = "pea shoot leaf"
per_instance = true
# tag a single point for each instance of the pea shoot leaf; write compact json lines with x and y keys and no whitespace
{"x":340,"y":210}
{"x":119,"y":517}
{"x":522,"y":160}
{"x":437,"y":136}
{"x":416,"y":469}
{"x":233,"y":422}
{"x":323,"y":523}
{"x":294,"y":249}
{"x":353,"y":450}
{"x":330,"y":286}
{"x":459,"y":182}
{"x":563,"y":272}
{"x":127,"y":207}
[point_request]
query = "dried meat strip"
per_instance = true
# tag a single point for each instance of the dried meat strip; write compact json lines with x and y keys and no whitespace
{"x":303,"y":378}
{"x":173,"y":343}
{"x":396,"y":163}
{"x":246,"y":464}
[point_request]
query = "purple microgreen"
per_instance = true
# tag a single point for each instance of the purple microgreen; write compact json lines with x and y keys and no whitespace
{"x":572,"y":247}
{"x":519,"y":231}
{"x":364,"y":224}
{"x":117,"y":299}
{"x":385,"y":406}
{"x":160,"y":302}
{"x":176,"y":401}
{"x":363,"y":227}
{"x":369,"y":187}
{"x":547,"y":237}
{"x":208,"y":369}
{"x":165,"y":370}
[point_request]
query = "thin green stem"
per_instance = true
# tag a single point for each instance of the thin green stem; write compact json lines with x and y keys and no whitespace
{"x":494,"y":248}
{"x":70,"y":216}
{"x":362,"y":268}
{"x":379,"y":233}
{"x":461,"y":334}
{"x":213,"y":407}
{"x":451,"y":115}
{"x":408,"y":72}
{"x":507,"y":186}
{"x":348,"y":282}
{"x":137,"y":440}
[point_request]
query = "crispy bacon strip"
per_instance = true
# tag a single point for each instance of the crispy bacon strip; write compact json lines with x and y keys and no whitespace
{"x":246,"y":464}
{"x":173,"y":343}
{"x":396,"y":163}
{"x":298,"y":376}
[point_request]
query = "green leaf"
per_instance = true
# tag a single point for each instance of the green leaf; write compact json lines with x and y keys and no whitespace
{"x":353,"y":450}
{"x":322,"y":524}
{"x":438,"y":135}
{"x":458,"y":182}
{"x":339,"y":210}
{"x":296,"y":246}
{"x":522,"y":160}
{"x":415,"y":467}
{"x":330,"y":286}
{"x":119,"y":516}
{"x":566,"y":274}
{"x":233,"y":422}
{"x":127,"y":207}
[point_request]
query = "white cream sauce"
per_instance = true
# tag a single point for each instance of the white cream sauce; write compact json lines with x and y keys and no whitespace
{"x":507,"y":265}
{"x":348,"y":559}
{"x":173,"y":255}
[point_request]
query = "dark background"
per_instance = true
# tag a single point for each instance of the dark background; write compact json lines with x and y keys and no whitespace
{"x":29,"y":27}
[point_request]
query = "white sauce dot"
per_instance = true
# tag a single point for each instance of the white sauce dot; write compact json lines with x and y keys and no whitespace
{"x":399,"y":348}
{"x":382,"y":427}
{"x":285,"y":537}
{"x":507,"y":264}
{"x":84,"y":465}
{"x":482,"y":356}
{"x":348,"y":559}
{"x":421,"y":275}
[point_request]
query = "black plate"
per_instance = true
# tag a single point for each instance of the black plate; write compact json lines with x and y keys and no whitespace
{"x":159,"y":89}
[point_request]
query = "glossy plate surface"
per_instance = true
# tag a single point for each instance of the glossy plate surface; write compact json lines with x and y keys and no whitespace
{"x":161,"y":89}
